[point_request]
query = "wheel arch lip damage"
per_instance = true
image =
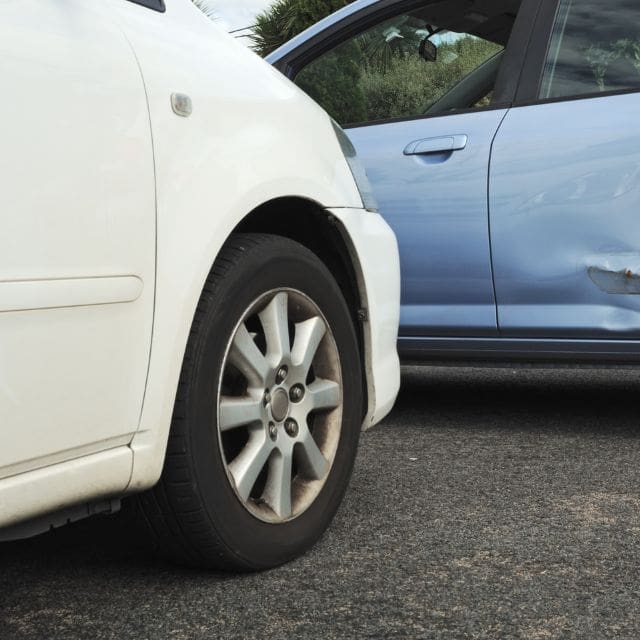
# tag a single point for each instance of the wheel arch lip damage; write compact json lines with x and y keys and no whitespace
{"x":374,"y":251}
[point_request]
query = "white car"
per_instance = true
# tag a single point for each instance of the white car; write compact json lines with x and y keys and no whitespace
{"x":197,"y":304}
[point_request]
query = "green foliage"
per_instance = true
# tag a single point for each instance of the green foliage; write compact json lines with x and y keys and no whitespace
{"x":410,"y":85}
{"x":286,"y":19}
{"x":335,"y":85}
{"x":600,"y":58}
{"x":354,"y":86}
{"x":377,"y":75}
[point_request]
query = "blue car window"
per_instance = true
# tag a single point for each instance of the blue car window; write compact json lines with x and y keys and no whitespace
{"x":595,"y":48}
{"x":397,"y":69}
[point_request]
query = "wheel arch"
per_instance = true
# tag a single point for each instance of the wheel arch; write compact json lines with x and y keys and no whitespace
{"x":298,"y":218}
{"x":308,"y":223}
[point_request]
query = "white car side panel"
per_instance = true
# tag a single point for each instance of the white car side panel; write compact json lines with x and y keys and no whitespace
{"x":77,"y":233}
{"x":78,"y":247}
{"x":240,"y":148}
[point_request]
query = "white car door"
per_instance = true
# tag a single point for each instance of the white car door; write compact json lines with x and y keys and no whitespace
{"x":77,"y":233}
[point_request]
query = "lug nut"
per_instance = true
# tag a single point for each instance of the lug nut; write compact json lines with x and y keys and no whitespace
{"x":266,"y":398}
{"x":297,"y":393}
{"x":291,"y":427}
{"x":273,"y":431}
{"x":282,"y":374}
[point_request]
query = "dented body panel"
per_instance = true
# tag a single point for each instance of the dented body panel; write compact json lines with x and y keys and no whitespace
{"x":564,"y":207}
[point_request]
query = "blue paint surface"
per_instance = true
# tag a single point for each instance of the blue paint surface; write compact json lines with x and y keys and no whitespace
{"x":437,"y":206}
{"x":565,"y":205}
{"x":530,"y":232}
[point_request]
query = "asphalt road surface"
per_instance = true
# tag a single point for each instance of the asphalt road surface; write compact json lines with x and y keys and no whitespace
{"x":490,"y":504}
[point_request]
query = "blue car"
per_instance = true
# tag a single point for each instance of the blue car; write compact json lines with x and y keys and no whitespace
{"x":502,"y":141}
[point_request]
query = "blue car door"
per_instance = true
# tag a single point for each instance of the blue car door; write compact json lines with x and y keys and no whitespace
{"x":420,"y":94}
{"x":434,"y":198}
{"x":565,"y":179}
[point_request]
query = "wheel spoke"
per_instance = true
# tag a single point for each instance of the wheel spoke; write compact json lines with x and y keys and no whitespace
{"x":273,"y":380}
{"x":237,"y":412}
{"x":277,"y":492}
{"x":246,"y":467}
{"x":308,"y":337}
{"x":311,"y":462}
{"x":246,"y":356}
{"x":275,"y":322}
{"x":323,"y":394}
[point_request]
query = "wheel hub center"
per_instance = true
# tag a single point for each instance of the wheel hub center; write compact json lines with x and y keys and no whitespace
{"x":279,"y":405}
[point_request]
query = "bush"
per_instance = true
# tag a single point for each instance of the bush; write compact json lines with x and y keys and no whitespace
{"x":410,"y":85}
{"x":336,"y":85}
{"x":370,"y":78}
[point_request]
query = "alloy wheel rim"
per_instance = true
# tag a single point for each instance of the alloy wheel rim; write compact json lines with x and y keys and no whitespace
{"x":279,"y":405}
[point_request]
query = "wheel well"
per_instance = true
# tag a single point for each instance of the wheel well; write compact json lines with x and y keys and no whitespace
{"x":309,"y":224}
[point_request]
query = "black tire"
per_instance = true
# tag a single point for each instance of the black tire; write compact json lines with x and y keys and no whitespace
{"x":193,"y":514}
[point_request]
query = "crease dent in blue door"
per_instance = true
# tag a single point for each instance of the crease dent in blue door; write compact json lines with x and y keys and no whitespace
{"x":565,"y":197}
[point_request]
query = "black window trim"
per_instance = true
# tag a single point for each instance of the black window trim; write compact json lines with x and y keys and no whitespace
{"x":580,"y":96}
{"x":513,"y":65}
{"x":508,"y":78}
{"x":424,"y":116}
{"x":536,"y":57}
{"x":155,"y":5}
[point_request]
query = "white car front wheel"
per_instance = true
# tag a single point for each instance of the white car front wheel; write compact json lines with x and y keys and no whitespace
{"x":267,"y":416}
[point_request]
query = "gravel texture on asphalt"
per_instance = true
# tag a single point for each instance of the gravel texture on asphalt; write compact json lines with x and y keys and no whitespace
{"x":492,"y":503}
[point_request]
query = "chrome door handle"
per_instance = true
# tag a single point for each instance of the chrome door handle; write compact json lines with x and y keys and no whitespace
{"x":443,"y":144}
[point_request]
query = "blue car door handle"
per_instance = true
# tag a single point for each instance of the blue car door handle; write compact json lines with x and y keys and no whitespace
{"x":442,"y":144}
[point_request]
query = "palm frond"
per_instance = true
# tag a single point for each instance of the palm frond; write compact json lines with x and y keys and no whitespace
{"x":206,"y":8}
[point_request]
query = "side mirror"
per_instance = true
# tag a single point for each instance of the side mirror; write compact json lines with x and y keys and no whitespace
{"x":428,"y":51}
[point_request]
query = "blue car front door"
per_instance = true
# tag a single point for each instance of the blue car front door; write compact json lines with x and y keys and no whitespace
{"x":434,"y":198}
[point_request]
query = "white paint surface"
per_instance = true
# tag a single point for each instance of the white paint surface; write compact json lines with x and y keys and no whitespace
{"x":90,"y":86}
